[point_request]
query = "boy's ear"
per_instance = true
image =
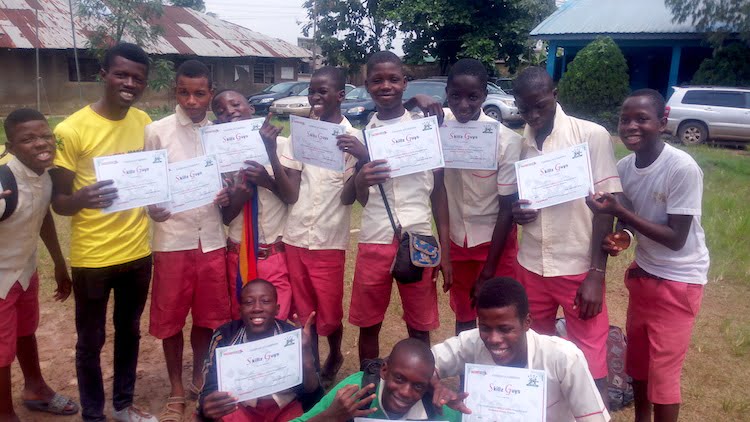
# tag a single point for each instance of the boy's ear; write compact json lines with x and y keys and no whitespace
{"x":102,"y":73}
{"x":554,"y":93}
{"x":384,"y":369}
{"x":342,"y":95}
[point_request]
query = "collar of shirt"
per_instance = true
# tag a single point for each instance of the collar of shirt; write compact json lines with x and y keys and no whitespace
{"x":529,"y":134}
{"x":416,"y":412}
{"x":20,"y":169}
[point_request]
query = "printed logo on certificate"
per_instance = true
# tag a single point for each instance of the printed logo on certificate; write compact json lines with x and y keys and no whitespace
{"x":234,"y":143}
{"x":141,"y":178}
{"x":409,"y":147}
{"x":193,"y":183}
{"x":314,"y":143}
{"x":556,"y":177}
{"x":471,"y":145}
{"x":502,"y":393}
{"x":262,"y":367}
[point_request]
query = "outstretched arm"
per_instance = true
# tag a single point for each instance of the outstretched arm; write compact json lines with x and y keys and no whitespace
{"x":48,"y":233}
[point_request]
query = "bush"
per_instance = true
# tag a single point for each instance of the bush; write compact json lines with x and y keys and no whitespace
{"x":730,"y":66}
{"x":595,"y":83}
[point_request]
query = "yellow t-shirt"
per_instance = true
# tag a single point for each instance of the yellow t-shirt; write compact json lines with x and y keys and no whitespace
{"x":98,"y":239}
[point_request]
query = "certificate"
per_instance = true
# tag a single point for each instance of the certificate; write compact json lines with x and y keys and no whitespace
{"x":234,"y":143}
{"x":140,"y":178}
{"x":314,"y":143}
{"x":410,"y":147}
{"x":193,"y":183}
{"x":502,"y":393}
{"x":556,"y":177}
{"x":261,"y":367}
{"x":471,"y":145}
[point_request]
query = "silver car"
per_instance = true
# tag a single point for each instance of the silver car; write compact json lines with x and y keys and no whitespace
{"x":699,"y":113}
{"x":501,"y":106}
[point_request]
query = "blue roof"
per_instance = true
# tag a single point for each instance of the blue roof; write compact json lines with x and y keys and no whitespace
{"x":633,"y":19}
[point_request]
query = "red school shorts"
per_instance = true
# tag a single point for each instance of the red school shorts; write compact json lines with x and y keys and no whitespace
{"x":660,"y":319}
{"x":468,"y":263}
{"x":546,"y":294}
{"x":371,"y":291}
{"x":189,"y":281}
{"x":265,"y":411}
{"x":19,"y":313}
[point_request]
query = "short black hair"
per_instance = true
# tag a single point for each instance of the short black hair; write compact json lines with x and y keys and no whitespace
{"x":19,"y":116}
{"x":531,"y":78}
{"x":382,"y":57}
{"x":194,"y":69}
{"x":469,"y":67}
{"x":260,"y":281}
{"x":500,"y":292}
{"x":654,"y":96}
{"x":411,"y":346}
{"x":128,"y":51}
{"x":220,"y":92}
{"x":337,"y":76}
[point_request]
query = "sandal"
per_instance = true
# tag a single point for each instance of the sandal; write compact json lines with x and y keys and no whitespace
{"x":59,"y":405}
{"x":170,"y":413}
{"x":193,"y":391}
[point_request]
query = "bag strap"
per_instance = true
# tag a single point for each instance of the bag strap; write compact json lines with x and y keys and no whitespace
{"x":8,"y":180}
{"x":396,"y":229}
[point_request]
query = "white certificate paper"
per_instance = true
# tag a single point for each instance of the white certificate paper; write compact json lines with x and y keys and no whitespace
{"x":502,"y":393}
{"x":410,"y":147}
{"x":471,"y":145}
{"x":193,"y":183}
{"x":556,"y":177}
{"x":140,"y":178}
{"x":234,"y":143}
{"x":261,"y":367}
{"x":314,"y":143}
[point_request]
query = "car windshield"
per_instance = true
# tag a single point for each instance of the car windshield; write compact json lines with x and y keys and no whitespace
{"x":275,"y":89}
{"x":434,"y":90}
{"x":304,"y":92}
{"x":359,"y":93}
{"x":494,"y":89}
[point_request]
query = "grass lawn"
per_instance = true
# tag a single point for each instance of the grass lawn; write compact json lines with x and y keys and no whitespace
{"x":718,"y":363}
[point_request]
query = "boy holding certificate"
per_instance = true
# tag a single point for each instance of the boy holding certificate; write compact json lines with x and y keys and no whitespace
{"x":109,"y":252}
{"x":409,"y":198}
{"x":664,"y":186}
{"x":316,"y":234}
{"x":231,"y":106}
{"x":479,"y":201}
{"x":561,"y":263}
{"x":259,"y":307}
{"x":504,"y":338}
{"x":189,"y":247}
{"x":25,"y":216}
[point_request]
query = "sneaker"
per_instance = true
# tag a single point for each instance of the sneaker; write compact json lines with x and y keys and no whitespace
{"x":133,"y":414}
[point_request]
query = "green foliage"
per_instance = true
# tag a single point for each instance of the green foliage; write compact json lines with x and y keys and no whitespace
{"x":198,"y":5}
{"x":718,"y":18}
{"x":161,"y":75}
{"x":730,"y":66}
{"x":595,"y":83}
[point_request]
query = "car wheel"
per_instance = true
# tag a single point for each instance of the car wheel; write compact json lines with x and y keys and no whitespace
{"x":494,"y":112}
{"x":692,"y":133}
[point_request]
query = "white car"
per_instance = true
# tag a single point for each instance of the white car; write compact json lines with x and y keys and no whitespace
{"x":501,"y":106}
{"x":297,"y":105}
{"x":696,"y":114}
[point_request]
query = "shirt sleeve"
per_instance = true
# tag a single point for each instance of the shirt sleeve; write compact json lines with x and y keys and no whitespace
{"x":685,"y":193}
{"x":286,"y":156}
{"x":603,"y":164}
{"x":326,"y":401}
{"x":579,"y":389}
{"x":450,"y":356}
{"x":211,"y":382}
{"x":150,"y":139}
{"x":510,"y":152}
{"x":68,"y":147}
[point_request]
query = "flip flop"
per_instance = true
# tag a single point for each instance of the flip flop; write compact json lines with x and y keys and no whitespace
{"x":193,"y":391}
{"x":56,"y":406}
{"x":170,"y":414}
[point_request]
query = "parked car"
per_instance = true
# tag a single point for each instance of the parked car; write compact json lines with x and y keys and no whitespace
{"x":263,"y":99}
{"x":501,"y":106}
{"x":697,"y":114}
{"x":358,"y":106}
{"x":297,"y":105}
{"x":506,"y":84}
{"x":434,"y":87}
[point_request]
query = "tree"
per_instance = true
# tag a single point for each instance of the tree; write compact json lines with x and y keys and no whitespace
{"x":596,"y":83}
{"x":198,"y":5}
{"x":719,"y":18}
{"x":486,"y":30}
{"x":730,"y":66}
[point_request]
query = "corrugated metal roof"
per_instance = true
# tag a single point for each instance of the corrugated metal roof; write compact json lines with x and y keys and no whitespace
{"x":629,"y":18}
{"x":186,"y":32}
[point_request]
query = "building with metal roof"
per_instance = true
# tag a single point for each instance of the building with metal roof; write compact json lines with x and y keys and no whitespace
{"x":660,"y":52}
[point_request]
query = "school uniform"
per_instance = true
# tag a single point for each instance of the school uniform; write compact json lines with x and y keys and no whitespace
{"x":271,"y":265}
{"x":189,"y":248}
{"x":473,"y":206}
{"x":665,"y":286}
{"x":571,"y":392}
{"x":409,"y":200}
{"x":19,"y":283}
{"x":554,"y":255}
{"x":316,"y":237}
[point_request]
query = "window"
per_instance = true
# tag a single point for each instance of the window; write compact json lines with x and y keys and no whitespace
{"x":263,"y":73}
{"x":715,"y":98}
{"x":89,"y":69}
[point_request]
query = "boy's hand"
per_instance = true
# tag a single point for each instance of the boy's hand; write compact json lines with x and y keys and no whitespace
{"x":158,"y":214}
{"x":64,"y":284}
{"x":428,"y":105}
{"x":616,"y":242}
{"x":306,"y":330}
{"x":222,"y":198}
{"x":444,"y":396}
{"x":269,"y":133}
{"x":218,"y":404}
{"x":374,"y":172}
{"x":4,"y":194}
{"x":242,"y":192}
{"x":98,"y":195}
{"x":257,"y":174}
{"x":350,"y":144}
{"x":446,"y":268}
{"x":603,"y":203}
{"x":523,"y":215}
{"x":589,"y":298}
{"x":348,"y":403}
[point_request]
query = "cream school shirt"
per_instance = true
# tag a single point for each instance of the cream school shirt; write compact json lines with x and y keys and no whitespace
{"x":272,"y":211}
{"x":558,"y":242}
{"x":20,"y":232}
{"x":318,"y":220}
{"x":200,"y":226}
{"x":571,"y":392}
{"x":473,"y":194}
{"x":408,"y":196}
